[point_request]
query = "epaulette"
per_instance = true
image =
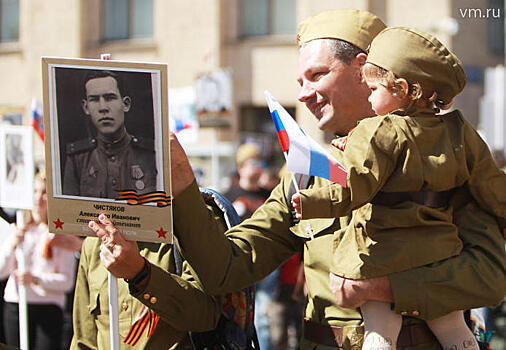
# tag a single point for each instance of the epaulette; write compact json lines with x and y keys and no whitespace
{"x":83,"y":145}
{"x":143,"y":142}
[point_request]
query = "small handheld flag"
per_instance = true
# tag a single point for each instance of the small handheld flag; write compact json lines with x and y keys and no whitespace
{"x":304,"y":155}
{"x":37,"y":121}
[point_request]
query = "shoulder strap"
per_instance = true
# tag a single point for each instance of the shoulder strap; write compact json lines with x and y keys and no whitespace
{"x":178,"y":260}
{"x":230,"y":215}
{"x":143,"y":142}
{"x":303,"y":183}
{"x":79,"y":146}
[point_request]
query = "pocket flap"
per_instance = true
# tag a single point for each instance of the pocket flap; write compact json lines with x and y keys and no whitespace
{"x":316,"y":226}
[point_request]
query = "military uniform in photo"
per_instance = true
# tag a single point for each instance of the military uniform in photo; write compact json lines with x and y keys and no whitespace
{"x":96,"y":168}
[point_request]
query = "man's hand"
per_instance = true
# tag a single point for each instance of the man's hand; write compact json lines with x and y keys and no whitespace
{"x":182,"y":173}
{"x":120,"y":256}
{"x":351,"y":294}
{"x":296,"y":205}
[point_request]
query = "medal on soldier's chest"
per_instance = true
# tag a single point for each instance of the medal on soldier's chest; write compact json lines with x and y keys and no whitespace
{"x":92,"y":171}
{"x":138,"y":174}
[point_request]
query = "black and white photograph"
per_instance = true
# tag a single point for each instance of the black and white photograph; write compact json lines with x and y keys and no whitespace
{"x":16,"y":176}
{"x":106,"y":128}
{"x":107,"y":132}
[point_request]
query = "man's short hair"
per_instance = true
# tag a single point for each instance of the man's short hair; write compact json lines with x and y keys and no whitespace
{"x":94,"y":74}
{"x":343,"y":50}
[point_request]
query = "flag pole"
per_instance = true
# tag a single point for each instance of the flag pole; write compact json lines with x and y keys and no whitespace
{"x":309,"y":230}
{"x":112,"y":285}
{"x":22,"y":302}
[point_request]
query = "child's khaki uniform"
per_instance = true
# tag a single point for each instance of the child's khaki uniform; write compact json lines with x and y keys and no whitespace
{"x":387,"y":157}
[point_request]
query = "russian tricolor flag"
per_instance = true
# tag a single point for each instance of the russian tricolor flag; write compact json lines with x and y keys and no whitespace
{"x":37,"y":120}
{"x":305,"y":155}
{"x":182,"y":125}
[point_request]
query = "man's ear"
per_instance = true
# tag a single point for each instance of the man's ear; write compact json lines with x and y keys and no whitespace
{"x":361,"y":58}
{"x":84,"y":105}
{"x":127,"y":103}
{"x":358,"y":62}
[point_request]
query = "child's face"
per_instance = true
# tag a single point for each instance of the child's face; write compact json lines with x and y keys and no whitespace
{"x":383,"y":101}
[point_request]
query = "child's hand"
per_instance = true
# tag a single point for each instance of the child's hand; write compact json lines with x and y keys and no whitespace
{"x":296,"y":206}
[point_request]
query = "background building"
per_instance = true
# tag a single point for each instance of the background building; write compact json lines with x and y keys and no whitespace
{"x":253,"y":39}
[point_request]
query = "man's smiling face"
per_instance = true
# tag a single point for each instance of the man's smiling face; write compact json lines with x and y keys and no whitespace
{"x":332,"y":90}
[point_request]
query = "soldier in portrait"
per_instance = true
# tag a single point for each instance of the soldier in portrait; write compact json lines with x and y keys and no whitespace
{"x":113,"y":160}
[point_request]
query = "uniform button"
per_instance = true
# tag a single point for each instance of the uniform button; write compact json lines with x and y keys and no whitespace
{"x":89,"y":308}
{"x":114,"y":181}
{"x":113,"y":158}
{"x":416,"y":313}
{"x":135,"y":139}
{"x":404,"y":313}
{"x":146,"y":296}
{"x":153,"y":300}
{"x":124,"y":306}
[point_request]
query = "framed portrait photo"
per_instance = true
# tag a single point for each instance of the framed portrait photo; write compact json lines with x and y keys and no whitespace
{"x":107,"y":146}
{"x":16,"y":166}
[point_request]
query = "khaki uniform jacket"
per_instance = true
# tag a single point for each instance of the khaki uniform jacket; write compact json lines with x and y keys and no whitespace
{"x":399,"y":153}
{"x":179,"y":301}
{"x":94,"y":168}
{"x":250,"y":251}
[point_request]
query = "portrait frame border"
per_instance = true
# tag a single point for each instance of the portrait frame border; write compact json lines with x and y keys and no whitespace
{"x":149,"y":222}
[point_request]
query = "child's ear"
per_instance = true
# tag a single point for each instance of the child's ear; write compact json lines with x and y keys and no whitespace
{"x":404,"y":87}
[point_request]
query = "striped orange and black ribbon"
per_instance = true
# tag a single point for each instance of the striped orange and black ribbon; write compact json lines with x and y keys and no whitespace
{"x":146,"y":318}
{"x":160,"y":198}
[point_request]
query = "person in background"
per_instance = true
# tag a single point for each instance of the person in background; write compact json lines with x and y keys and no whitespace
{"x":73,"y":244}
{"x":286,"y":309}
{"x":10,"y":217}
{"x":49,"y":274}
{"x":246,"y":196}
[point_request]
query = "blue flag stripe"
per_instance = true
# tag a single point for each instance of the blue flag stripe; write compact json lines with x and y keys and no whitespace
{"x":319,"y":165}
{"x":277,"y":121}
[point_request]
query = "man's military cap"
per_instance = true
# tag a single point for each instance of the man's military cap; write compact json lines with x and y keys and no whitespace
{"x":246,"y":151}
{"x":354,"y":26}
{"x":419,"y":57}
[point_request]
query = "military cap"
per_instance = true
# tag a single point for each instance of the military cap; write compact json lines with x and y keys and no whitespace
{"x":354,"y":26}
{"x":419,"y":57}
{"x":246,"y":151}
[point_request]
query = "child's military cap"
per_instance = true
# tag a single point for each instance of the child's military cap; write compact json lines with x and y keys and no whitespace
{"x":354,"y":26}
{"x":419,"y":57}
